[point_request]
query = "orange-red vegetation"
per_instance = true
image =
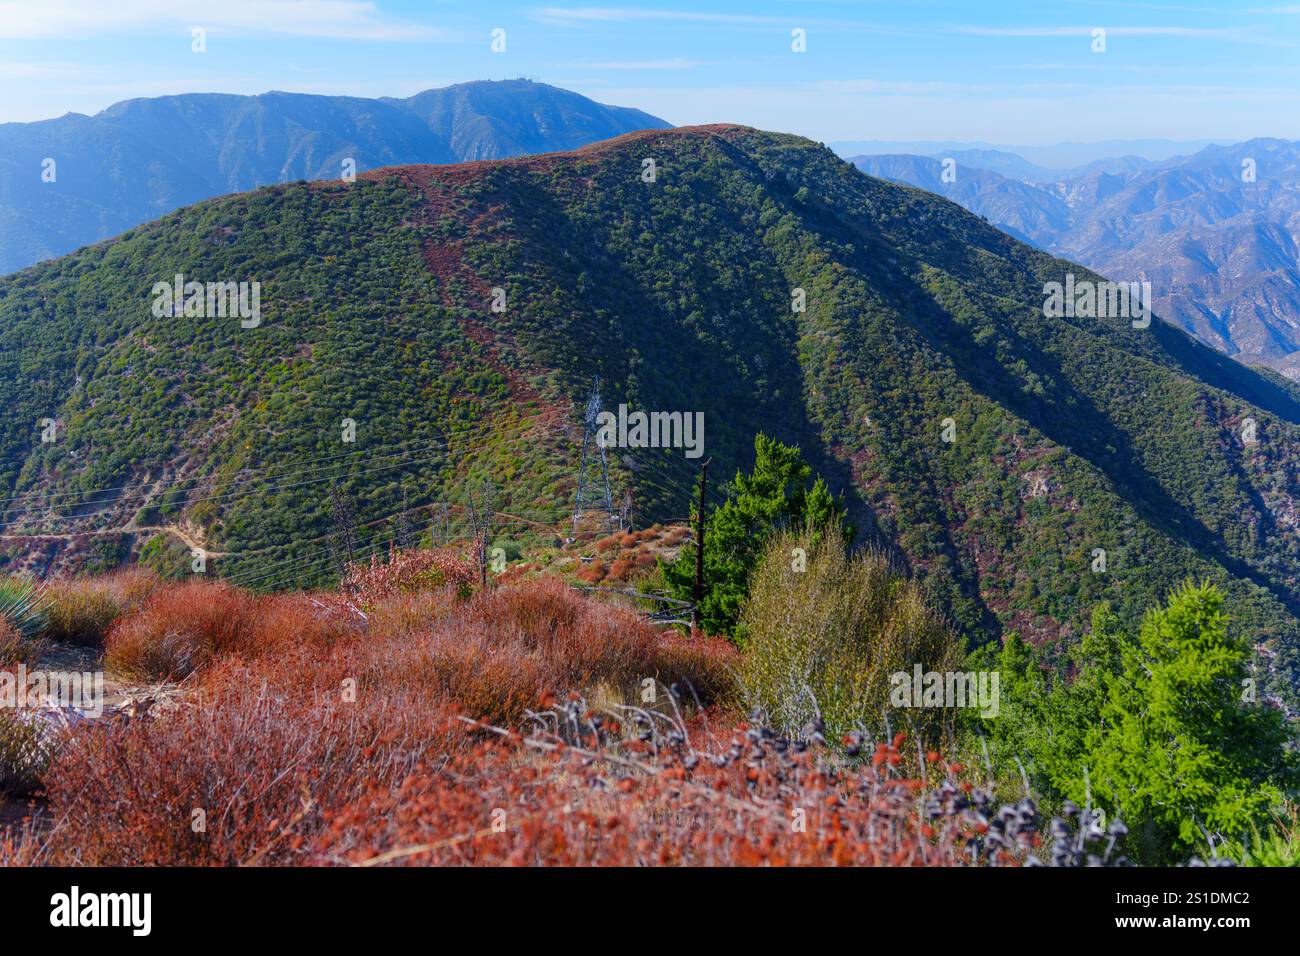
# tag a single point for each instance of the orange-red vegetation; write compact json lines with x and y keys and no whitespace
{"x":665,"y":797}
{"x":296,"y":707}
{"x":409,"y":571}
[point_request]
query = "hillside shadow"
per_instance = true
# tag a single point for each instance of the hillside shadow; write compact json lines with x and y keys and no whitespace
{"x":672,"y":359}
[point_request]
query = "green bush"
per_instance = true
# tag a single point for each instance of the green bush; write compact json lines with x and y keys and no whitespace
{"x":1181,"y":751}
{"x":1158,"y":729}
{"x":1276,"y":845}
{"x":773,"y":497}
{"x":825,"y":631}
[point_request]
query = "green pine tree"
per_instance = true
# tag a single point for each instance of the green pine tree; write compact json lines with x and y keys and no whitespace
{"x":1181,"y":750}
{"x":774,"y":496}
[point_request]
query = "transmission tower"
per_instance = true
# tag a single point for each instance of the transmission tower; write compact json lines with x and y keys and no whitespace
{"x":402,"y":528}
{"x":481,"y":517}
{"x":593,"y":499}
{"x":343,"y":538}
{"x":440,"y":525}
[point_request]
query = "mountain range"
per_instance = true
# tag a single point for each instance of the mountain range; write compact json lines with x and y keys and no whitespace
{"x":451,"y":319}
{"x":1217,"y":233}
{"x":142,"y":158}
{"x":1036,"y":163}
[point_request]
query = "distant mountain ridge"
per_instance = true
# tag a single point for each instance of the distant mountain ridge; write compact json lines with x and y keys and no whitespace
{"x":1034,"y":163}
{"x":142,"y":158}
{"x":1216,"y":233}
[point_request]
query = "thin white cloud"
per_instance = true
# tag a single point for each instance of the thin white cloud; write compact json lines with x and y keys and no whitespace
{"x":1211,"y":33}
{"x":586,"y":15}
{"x":34,"y":70}
{"x":890,"y":86}
{"x":336,"y":19}
{"x":675,"y":63}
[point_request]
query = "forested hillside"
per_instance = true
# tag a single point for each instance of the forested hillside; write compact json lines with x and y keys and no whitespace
{"x":678,"y":284}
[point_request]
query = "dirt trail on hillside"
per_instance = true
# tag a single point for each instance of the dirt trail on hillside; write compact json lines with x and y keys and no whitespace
{"x":176,"y":530}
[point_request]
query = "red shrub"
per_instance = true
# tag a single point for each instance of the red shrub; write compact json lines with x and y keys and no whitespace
{"x":297,"y":710}
{"x":182,"y":627}
{"x":263,"y":761}
{"x":179,"y":629}
{"x":282,"y":621}
{"x":12,"y":649}
{"x":509,"y":647}
{"x":407,"y":572}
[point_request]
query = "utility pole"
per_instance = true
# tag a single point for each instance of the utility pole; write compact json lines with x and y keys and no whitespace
{"x":625,"y":512}
{"x":697,"y":593}
{"x":440,"y":526}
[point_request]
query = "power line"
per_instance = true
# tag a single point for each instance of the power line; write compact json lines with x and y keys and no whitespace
{"x":267,"y":489}
{"x":296,"y":465}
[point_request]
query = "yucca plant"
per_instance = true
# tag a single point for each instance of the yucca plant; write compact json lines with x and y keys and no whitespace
{"x":23,"y":605}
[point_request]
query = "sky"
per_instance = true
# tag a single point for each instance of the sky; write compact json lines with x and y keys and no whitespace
{"x":1013,"y":71}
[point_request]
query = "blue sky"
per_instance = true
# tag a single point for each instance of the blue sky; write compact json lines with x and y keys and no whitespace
{"x":1011,"y":71}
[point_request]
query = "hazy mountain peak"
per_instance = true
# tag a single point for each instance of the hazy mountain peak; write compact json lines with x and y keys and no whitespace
{"x":140,"y":158}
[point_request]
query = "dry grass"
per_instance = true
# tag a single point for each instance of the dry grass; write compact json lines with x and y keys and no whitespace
{"x":13,"y":649}
{"x":82,"y":610}
{"x":822,"y":641}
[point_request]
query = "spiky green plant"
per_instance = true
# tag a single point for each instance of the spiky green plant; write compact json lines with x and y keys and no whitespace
{"x":23,"y":605}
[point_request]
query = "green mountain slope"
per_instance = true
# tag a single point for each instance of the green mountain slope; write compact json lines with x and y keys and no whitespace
{"x":1071,"y":434}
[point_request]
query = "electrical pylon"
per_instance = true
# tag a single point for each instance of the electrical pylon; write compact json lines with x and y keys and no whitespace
{"x":589,"y":499}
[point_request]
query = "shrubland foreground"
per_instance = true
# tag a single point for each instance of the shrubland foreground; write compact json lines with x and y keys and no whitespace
{"x":413,"y":718}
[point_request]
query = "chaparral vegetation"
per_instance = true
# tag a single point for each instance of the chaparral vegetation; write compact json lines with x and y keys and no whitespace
{"x":413,"y":716}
